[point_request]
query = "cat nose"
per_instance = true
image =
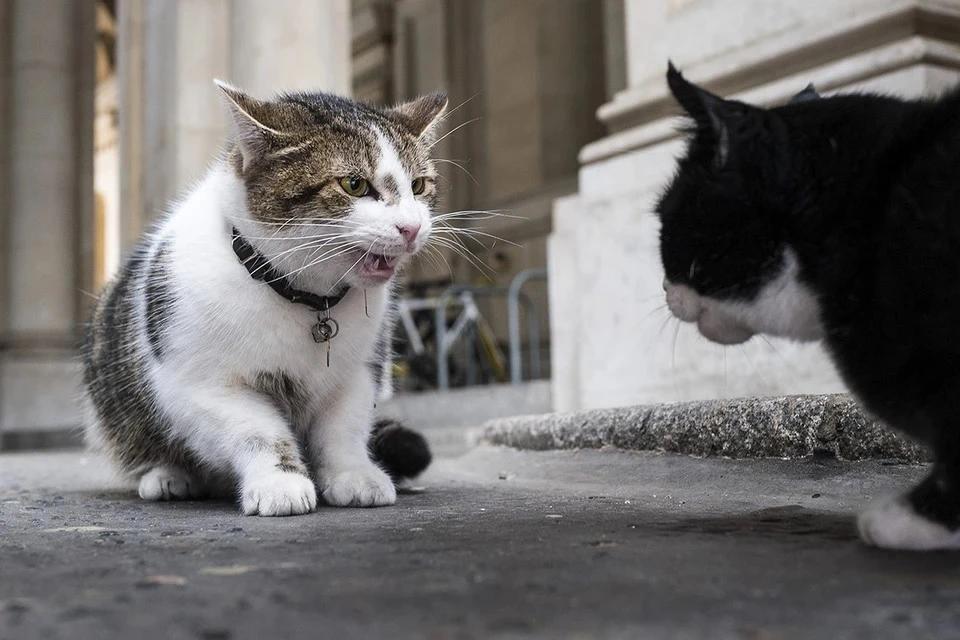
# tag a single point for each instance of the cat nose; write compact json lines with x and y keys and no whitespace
{"x":409,"y":231}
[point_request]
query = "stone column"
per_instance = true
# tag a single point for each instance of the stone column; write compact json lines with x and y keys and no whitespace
{"x":172,"y":121}
{"x":619,"y":346}
{"x":46,"y":89}
{"x":171,"y":118}
{"x":295,"y":44}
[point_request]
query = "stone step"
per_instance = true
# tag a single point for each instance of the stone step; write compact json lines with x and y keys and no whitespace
{"x":775,"y":427}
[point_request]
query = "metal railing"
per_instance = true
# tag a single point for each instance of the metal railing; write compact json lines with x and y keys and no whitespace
{"x":470,"y":324}
{"x":533,"y":321}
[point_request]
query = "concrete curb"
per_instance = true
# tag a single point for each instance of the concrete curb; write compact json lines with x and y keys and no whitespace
{"x":781,"y":427}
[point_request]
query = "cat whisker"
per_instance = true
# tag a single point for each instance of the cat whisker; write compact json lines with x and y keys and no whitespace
{"x":309,"y":245}
{"x":353,"y":266}
{"x":664,"y":325}
{"x":342,"y":223}
{"x":449,"y":113}
{"x":454,"y":233}
{"x":332,"y":222}
{"x":302,"y":247}
{"x":477,"y":214}
{"x":316,"y":248}
{"x":673,"y":349}
{"x":469,"y":231}
{"x":424,"y":255}
{"x":433,"y":253}
{"x":442,"y":257}
{"x":746,"y":355}
{"x":485,"y":270}
{"x":451,"y":132}
{"x":644,"y":317}
{"x":303,"y":239}
{"x":459,"y":166}
{"x":465,"y":253}
{"x":280,"y":226}
{"x":445,"y":179}
{"x":724,"y":350}
{"x":783,"y":359}
{"x":332,"y":253}
{"x":313,"y":254}
{"x":653,"y":297}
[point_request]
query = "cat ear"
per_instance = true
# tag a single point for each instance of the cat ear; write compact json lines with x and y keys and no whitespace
{"x":422,"y":115}
{"x":807,"y":95}
{"x":710,"y":112}
{"x":254,"y":136}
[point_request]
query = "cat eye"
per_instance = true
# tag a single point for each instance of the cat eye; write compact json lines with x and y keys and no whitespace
{"x":419,"y":186}
{"x":354,"y":186}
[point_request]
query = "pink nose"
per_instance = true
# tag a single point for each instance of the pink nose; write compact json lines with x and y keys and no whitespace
{"x":409,"y":232}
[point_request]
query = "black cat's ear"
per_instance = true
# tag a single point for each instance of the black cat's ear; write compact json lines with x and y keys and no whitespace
{"x":710,"y":112}
{"x":807,"y":95}
{"x":697,"y":102}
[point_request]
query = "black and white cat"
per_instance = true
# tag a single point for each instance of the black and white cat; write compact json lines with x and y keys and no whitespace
{"x":834,"y":219}
{"x":242,"y":344}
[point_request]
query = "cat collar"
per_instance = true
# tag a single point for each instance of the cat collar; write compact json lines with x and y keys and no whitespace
{"x":260,"y":269}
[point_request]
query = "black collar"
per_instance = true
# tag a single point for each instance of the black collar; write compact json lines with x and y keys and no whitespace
{"x":261,"y":269}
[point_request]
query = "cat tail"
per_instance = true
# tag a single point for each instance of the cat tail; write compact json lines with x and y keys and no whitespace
{"x":403,"y":453}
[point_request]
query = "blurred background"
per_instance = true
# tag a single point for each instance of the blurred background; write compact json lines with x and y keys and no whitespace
{"x":562,"y":128}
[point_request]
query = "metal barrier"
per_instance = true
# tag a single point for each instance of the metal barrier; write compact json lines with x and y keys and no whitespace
{"x":533,"y":326}
{"x":465,"y":324}
{"x":470,"y":319}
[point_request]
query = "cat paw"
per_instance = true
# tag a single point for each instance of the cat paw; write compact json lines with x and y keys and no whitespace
{"x":168,"y":483}
{"x":279,"y":494}
{"x":893,"y":524}
{"x":366,"y":486}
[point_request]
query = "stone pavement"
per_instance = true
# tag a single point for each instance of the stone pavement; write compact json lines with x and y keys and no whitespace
{"x":498,"y":544}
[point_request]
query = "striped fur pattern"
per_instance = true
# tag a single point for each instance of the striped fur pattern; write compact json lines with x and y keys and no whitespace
{"x":198,"y":377}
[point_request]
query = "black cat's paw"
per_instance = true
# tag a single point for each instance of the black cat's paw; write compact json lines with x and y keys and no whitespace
{"x":892,"y":523}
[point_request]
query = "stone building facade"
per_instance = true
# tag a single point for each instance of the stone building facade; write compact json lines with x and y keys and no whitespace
{"x":612,"y":344}
{"x":107,"y":111}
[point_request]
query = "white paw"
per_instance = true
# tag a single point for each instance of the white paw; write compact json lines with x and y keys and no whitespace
{"x":366,"y":486}
{"x":278,"y":494}
{"x":167,"y":483}
{"x":893,"y":524}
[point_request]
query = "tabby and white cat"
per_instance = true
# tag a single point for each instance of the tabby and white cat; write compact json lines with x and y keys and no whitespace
{"x":834,"y":219}
{"x":243,"y":342}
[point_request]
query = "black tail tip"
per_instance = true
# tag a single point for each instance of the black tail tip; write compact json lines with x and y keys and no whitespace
{"x":403,"y":453}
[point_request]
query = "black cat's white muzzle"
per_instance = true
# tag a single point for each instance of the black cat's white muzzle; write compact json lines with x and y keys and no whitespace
{"x":713,"y":322}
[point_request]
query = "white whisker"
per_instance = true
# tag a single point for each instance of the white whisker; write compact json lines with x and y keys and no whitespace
{"x":466,"y":254}
{"x":449,"y":113}
{"x":359,"y":260}
{"x":333,"y":253}
{"x":451,"y":132}
{"x":468,"y":231}
{"x":459,"y":166}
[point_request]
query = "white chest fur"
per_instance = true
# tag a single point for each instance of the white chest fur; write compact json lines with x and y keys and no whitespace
{"x":230,"y":327}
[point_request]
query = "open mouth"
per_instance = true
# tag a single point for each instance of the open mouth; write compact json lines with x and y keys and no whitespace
{"x":379,"y":266}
